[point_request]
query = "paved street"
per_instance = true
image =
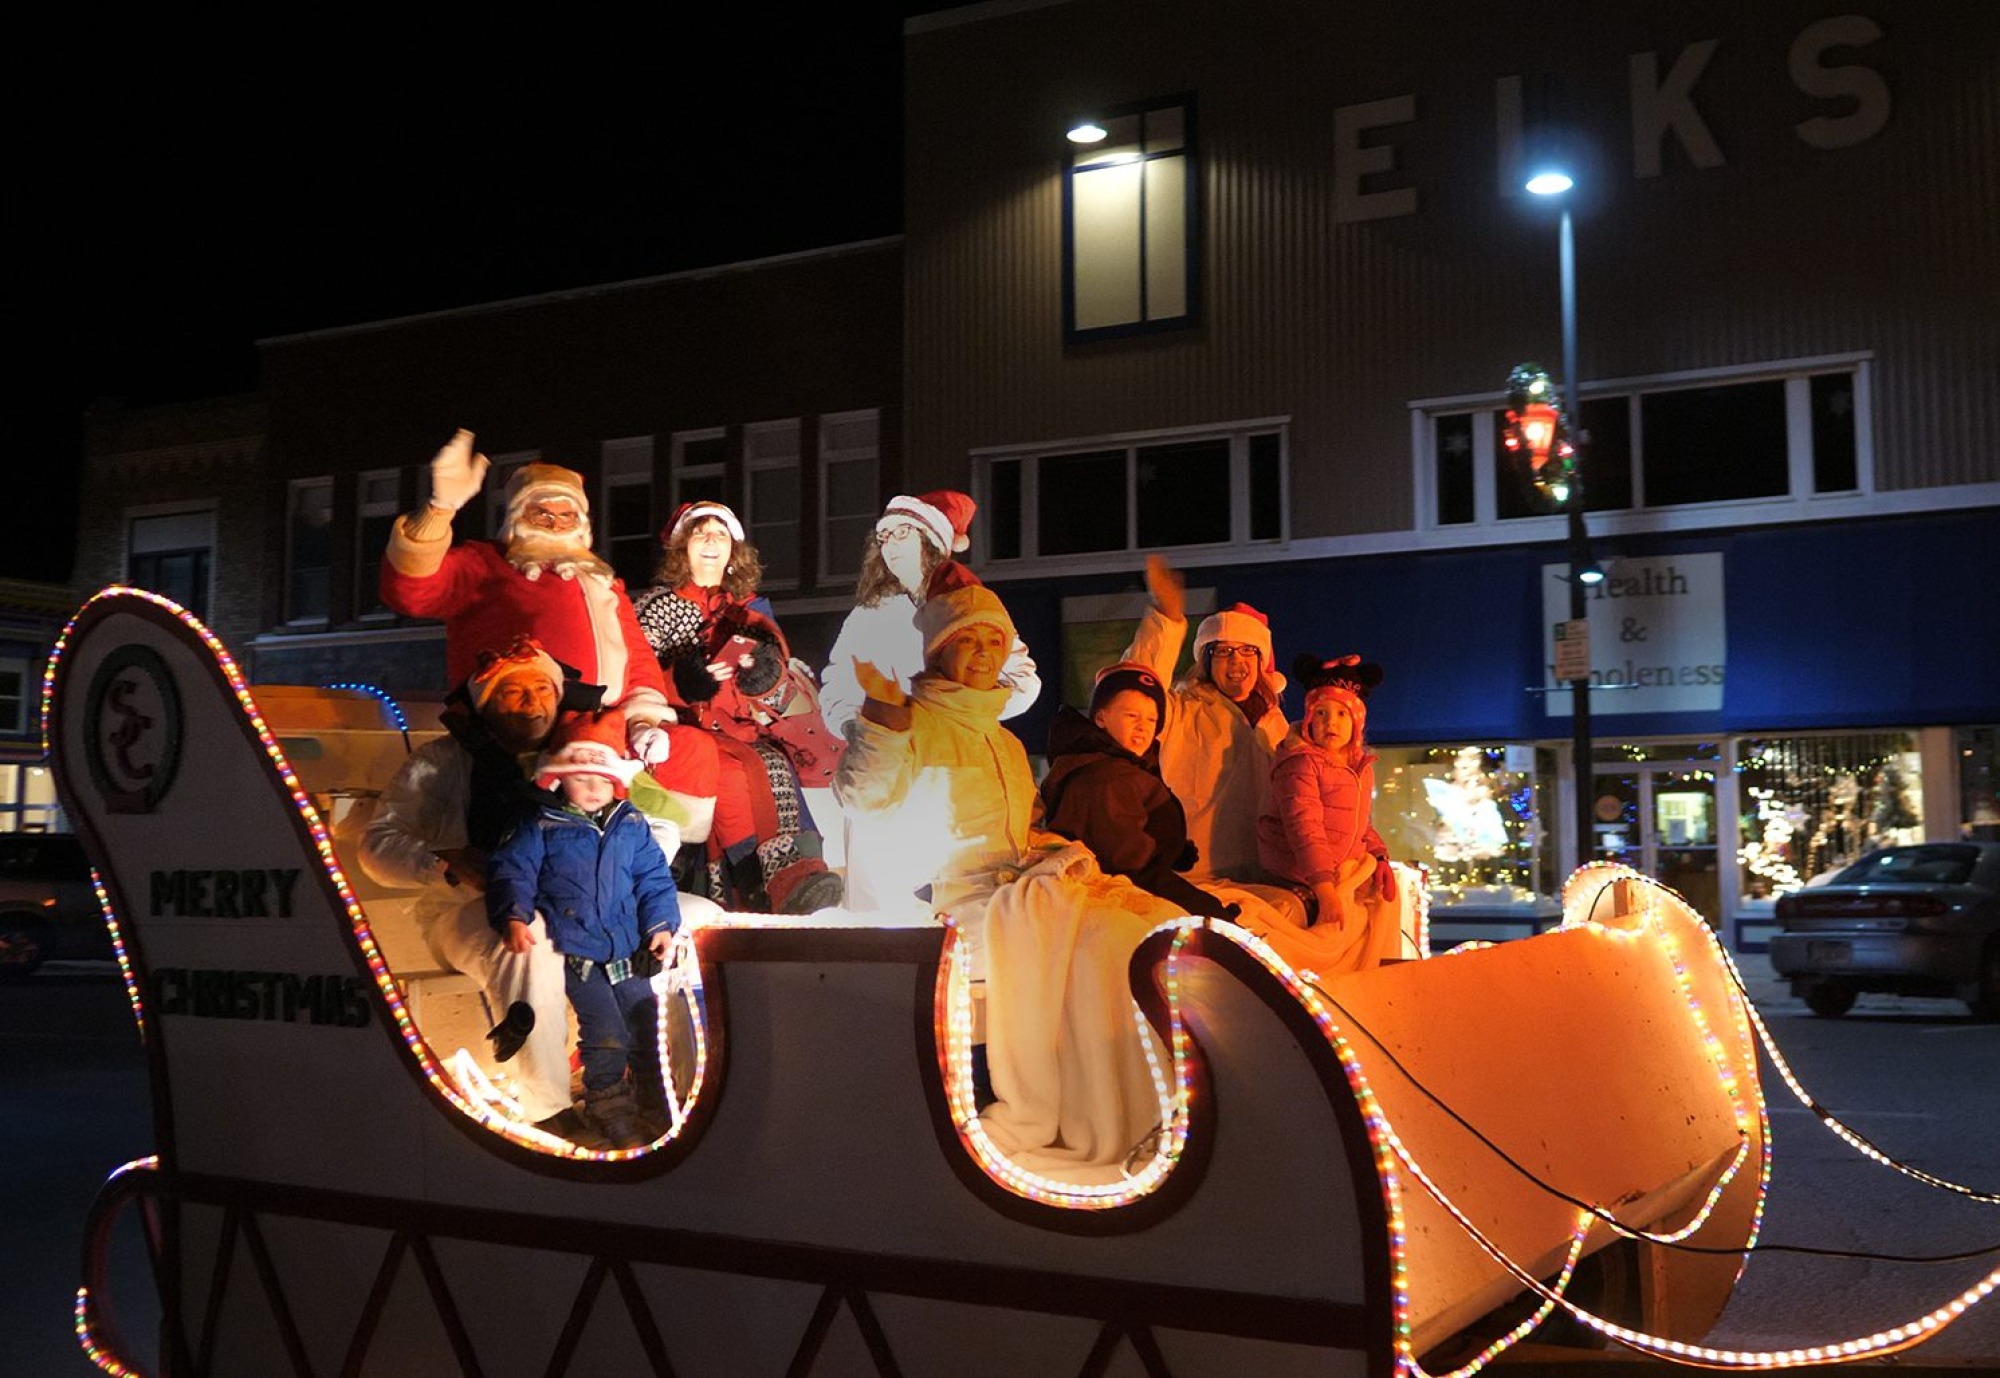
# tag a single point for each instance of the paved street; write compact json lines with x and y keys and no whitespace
{"x":1917,"y":1077}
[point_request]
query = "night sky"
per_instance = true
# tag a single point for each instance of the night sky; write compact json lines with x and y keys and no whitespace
{"x":191,"y":194}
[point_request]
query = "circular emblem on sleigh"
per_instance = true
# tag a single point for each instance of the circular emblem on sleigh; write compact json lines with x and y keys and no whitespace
{"x":133,"y":729}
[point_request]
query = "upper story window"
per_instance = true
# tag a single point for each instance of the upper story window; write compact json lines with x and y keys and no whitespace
{"x":771,"y":506}
{"x":701,"y":466}
{"x":850,"y":465}
{"x":627,"y":534}
{"x":1784,"y":433}
{"x":378,"y":498}
{"x":173,"y":554}
{"x":1200,"y":488}
{"x":1130,"y":225}
{"x":308,"y":550}
{"x":13,"y":697}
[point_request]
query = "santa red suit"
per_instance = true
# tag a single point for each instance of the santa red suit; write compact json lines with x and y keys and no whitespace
{"x":487,"y":593}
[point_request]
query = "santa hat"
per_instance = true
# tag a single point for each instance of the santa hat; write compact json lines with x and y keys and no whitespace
{"x":533,"y":481}
{"x":688,"y":513}
{"x":1113,"y":680}
{"x":588,"y":744}
{"x":1348,"y":678}
{"x":525,"y":653}
{"x":944,"y":516}
{"x":946,"y":614}
{"x":1239,"y":622}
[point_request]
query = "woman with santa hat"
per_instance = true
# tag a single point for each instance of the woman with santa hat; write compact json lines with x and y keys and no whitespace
{"x":726,"y":660}
{"x":909,"y":558}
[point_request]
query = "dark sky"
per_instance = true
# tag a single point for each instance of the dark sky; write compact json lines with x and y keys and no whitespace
{"x":192,"y":193}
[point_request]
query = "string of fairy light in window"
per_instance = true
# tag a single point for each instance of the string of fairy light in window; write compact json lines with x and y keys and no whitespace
{"x":83,"y":1311}
{"x":486,"y":1111}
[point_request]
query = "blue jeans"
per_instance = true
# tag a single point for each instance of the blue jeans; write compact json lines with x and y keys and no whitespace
{"x":616,"y":1027}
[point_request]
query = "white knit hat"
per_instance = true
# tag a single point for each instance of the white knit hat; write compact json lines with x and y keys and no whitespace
{"x":587,"y":744}
{"x":944,"y":615}
{"x":692,"y":512}
{"x":944,"y":516}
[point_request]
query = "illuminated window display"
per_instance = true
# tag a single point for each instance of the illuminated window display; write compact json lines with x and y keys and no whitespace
{"x":1978,"y":751}
{"x":1473,"y":815}
{"x":1811,"y":804}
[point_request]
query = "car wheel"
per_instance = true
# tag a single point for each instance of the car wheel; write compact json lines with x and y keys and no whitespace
{"x":20,"y":954}
{"x":1830,"y":999}
{"x":1986,"y":1005}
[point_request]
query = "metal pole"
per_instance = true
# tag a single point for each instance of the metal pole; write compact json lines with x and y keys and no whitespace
{"x":1579,"y":549}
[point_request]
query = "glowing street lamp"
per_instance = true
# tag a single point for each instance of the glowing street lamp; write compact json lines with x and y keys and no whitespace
{"x":1538,"y":425}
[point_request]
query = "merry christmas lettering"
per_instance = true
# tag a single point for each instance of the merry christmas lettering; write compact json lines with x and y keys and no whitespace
{"x":228,"y":894}
{"x":279,"y":996}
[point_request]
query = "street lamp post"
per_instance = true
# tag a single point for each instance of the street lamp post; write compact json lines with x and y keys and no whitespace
{"x":1570,"y":495}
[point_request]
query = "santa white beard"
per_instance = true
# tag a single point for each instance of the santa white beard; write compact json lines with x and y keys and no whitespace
{"x":533,"y":550}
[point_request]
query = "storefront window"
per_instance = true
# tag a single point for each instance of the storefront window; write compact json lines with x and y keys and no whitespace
{"x":1812,"y":804}
{"x":1474,"y":816}
{"x":1979,"y":783}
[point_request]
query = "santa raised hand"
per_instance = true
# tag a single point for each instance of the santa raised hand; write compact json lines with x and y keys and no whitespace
{"x":539,"y":578}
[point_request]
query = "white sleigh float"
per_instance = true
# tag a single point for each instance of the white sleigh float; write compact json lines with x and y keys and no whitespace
{"x":1353,"y":1177}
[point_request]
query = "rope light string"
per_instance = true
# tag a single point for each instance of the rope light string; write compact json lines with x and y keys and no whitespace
{"x":1853,"y":1137}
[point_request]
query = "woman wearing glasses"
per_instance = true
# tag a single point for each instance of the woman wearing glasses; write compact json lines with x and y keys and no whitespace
{"x":908,"y":559}
{"x":724,"y":657}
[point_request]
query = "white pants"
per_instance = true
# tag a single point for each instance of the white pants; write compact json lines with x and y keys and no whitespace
{"x":463,"y":940}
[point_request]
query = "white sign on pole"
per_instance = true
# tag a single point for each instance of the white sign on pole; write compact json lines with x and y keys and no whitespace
{"x":1573,"y":649}
{"x":1656,"y":639}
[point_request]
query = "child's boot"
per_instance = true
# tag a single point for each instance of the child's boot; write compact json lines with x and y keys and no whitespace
{"x":615,"y":1112}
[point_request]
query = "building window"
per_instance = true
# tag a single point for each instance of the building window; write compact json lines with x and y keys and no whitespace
{"x":701,"y":467}
{"x":1130,"y":250}
{"x":378,"y":499}
{"x":1662,"y":443}
{"x":308,"y":550}
{"x":627,"y":531}
{"x":850,"y":467}
{"x":13,"y":697}
{"x":1204,"y":489}
{"x":28,"y":802}
{"x":771,"y":506}
{"x":1979,"y":783}
{"x":172,"y":554}
{"x":1812,"y":804}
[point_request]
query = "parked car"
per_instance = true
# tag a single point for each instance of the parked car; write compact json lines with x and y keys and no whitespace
{"x":1917,"y":920}
{"x":48,"y":911}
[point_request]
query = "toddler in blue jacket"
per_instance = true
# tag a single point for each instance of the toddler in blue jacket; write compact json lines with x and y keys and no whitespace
{"x":585,"y":862}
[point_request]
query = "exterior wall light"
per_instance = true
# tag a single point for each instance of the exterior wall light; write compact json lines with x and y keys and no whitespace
{"x":1087,"y":132}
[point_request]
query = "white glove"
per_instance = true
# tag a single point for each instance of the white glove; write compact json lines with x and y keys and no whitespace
{"x":648,"y":743}
{"x":457,"y":473}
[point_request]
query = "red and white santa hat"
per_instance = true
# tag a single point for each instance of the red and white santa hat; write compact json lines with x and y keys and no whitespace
{"x":946,"y":614}
{"x":688,"y":513}
{"x":945,"y":518}
{"x":588,"y":744}
{"x":525,"y":653}
{"x":531,"y":482}
{"x":1244,"y":625}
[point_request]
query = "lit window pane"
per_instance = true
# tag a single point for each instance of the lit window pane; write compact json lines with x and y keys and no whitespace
{"x":1105,"y":210}
{"x":1166,"y":239}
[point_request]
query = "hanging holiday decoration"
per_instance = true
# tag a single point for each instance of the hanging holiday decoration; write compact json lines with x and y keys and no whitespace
{"x":1537,"y":428}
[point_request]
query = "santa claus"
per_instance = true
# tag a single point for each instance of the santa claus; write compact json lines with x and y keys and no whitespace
{"x":540,"y":578}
